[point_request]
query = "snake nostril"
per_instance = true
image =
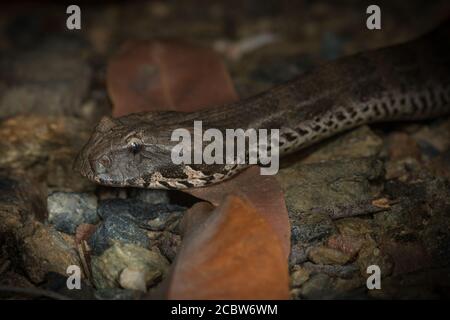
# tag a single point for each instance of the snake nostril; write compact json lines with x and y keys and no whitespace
{"x":105,"y":161}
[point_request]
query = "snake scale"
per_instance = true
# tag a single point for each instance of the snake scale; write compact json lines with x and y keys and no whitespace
{"x":409,"y":81}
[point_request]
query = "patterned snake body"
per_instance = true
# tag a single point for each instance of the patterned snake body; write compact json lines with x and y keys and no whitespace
{"x":410,"y":81}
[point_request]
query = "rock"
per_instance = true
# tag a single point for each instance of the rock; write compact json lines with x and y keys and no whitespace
{"x":335,"y":187}
{"x":324,"y":255}
{"x":298,"y":254}
{"x":154,"y":216}
{"x":107,"y":268}
{"x":47,"y":250}
{"x":126,"y":221}
{"x":47,"y":80}
{"x":21,"y":204}
{"x":68,"y":210}
{"x":334,"y":271}
{"x":310,"y":228}
{"x":347,"y":244}
{"x":354,"y":227}
{"x":353,"y":287}
{"x":137,"y":279}
{"x":169,"y":244}
{"x":35,"y":248}
{"x":123,"y":229}
{"x":317,"y":287}
{"x":32,"y":144}
{"x":358,"y":143}
{"x":307,"y":230}
{"x":299,"y":276}
{"x":369,"y":255}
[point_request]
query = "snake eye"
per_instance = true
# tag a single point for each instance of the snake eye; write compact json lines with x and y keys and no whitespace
{"x":135,"y":147}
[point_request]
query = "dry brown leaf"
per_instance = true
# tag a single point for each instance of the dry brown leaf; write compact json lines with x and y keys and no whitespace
{"x":263,"y":192}
{"x":381,"y":203}
{"x":167,"y":75}
{"x":195,"y":216}
{"x":233,"y":254}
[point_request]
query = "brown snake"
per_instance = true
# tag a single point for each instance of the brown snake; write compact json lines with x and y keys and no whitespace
{"x":410,"y":81}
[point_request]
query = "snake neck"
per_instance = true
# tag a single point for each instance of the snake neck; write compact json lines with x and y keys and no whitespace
{"x":404,"y":82}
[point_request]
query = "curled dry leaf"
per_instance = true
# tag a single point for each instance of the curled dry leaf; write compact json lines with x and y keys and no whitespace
{"x":233,"y":254}
{"x":381,"y":203}
{"x":263,"y":192}
{"x":167,"y":75}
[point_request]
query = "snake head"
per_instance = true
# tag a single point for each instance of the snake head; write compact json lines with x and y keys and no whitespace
{"x":121,"y":154}
{"x":136,"y":151}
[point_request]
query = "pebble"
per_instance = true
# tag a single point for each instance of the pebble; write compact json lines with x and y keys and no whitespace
{"x":154,"y":216}
{"x":311,"y":228}
{"x":135,"y":279}
{"x":330,"y":186}
{"x":130,"y":220}
{"x":118,"y":228}
{"x":324,"y":255}
{"x":359,"y":143}
{"x":107,"y":269}
{"x":334,"y":271}
{"x":169,"y":243}
{"x":68,"y":210}
{"x":354,"y":227}
{"x":317,"y":287}
{"x":299,"y":276}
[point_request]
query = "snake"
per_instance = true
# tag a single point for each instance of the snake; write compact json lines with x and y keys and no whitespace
{"x":409,"y":81}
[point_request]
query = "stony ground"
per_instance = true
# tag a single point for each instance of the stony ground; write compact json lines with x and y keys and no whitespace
{"x":375,"y":195}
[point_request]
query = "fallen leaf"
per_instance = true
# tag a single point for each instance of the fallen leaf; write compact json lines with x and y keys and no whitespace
{"x":195,"y":216}
{"x":381,"y":203}
{"x":263,"y":192}
{"x":167,"y":75}
{"x":233,"y":254}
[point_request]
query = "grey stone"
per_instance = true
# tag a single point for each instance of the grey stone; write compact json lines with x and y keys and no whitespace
{"x":122,"y":228}
{"x":153,"y":216}
{"x":68,"y":210}
{"x":107,"y":268}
